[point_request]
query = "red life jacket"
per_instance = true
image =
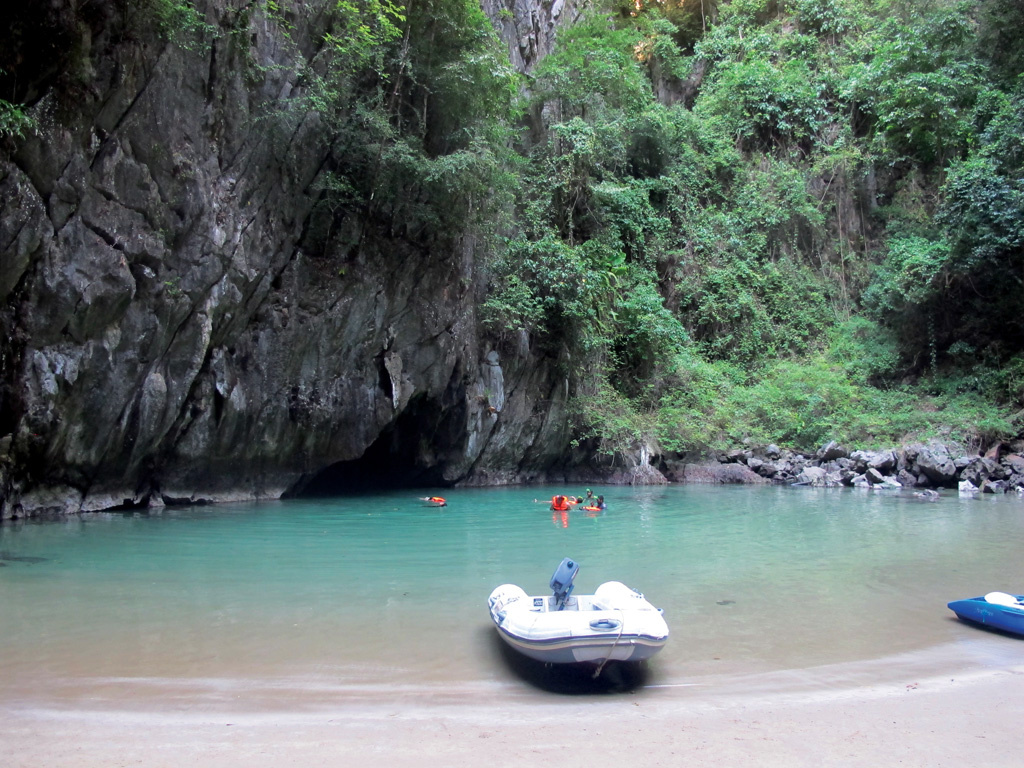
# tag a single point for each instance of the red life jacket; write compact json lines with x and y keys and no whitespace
{"x":560,"y":503}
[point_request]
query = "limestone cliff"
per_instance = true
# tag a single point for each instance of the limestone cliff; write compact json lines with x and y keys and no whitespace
{"x":165,"y":333}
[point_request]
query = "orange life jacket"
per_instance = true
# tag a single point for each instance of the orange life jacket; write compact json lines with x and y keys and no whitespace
{"x":560,"y":503}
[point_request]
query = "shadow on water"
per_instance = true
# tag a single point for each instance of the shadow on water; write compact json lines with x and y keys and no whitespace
{"x":986,"y":628}
{"x":572,"y":679}
{"x":11,"y":558}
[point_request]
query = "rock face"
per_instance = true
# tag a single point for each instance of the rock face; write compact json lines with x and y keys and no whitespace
{"x":529,"y":26}
{"x":165,"y":336}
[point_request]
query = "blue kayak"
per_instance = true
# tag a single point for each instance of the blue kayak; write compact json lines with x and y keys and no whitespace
{"x":997,"y":610}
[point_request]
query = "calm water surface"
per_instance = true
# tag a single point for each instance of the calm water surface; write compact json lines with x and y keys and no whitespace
{"x":377,"y":590}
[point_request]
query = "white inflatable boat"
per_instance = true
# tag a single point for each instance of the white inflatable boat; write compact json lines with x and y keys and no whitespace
{"x":615,"y":623}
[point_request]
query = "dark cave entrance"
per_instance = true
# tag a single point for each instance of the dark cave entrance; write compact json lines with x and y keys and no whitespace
{"x":406,"y":455}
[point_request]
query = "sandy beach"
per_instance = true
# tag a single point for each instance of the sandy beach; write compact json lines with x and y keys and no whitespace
{"x":957,"y":705}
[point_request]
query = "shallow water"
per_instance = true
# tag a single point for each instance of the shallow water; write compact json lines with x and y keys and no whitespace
{"x":381,"y":592}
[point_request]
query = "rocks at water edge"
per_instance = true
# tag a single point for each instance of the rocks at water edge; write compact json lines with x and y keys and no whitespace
{"x":924,"y":466}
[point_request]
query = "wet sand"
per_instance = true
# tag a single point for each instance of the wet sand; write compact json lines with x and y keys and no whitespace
{"x":955,"y":705}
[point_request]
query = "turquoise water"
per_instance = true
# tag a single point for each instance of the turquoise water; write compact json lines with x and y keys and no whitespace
{"x":382,"y":590}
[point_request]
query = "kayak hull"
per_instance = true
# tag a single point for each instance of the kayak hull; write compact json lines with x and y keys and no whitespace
{"x":996,"y":615}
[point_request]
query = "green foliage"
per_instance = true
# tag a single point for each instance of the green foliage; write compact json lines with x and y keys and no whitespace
{"x":955,"y":278}
{"x":984,"y":208}
{"x":747,"y":299}
{"x":740,"y":220}
{"x":593,"y":71}
{"x":918,"y":81}
{"x":181,"y":22}
{"x":912,"y":274}
{"x":767,"y":104}
{"x":799,"y":404}
{"x":824,"y":17}
{"x":556,"y":290}
{"x":983,"y":205}
{"x":14,"y":121}
{"x":769,"y":84}
{"x":648,"y":336}
{"x":360,"y":32}
{"x":998,"y":39}
{"x":697,"y":406}
{"x":418,"y":104}
{"x":681,"y":22}
{"x":805,"y":403}
{"x":753,"y":314}
{"x":606,"y":416}
{"x":867,"y":352}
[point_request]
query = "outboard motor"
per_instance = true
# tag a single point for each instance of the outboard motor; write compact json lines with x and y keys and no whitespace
{"x":561,"y":581}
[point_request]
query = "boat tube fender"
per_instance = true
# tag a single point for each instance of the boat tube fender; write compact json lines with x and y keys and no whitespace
{"x":562,"y":581}
{"x":501,"y":598}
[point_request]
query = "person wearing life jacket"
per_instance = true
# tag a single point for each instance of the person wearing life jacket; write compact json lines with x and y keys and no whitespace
{"x":437,"y":501}
{"x":560,"y":503}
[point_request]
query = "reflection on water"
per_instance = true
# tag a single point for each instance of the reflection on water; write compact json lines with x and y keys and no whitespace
{"x":380,"y":589}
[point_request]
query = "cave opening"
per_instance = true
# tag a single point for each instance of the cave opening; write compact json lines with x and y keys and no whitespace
{"x":401,"y":457}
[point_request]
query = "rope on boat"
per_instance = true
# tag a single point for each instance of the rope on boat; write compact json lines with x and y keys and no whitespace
{"x":622,"y":626}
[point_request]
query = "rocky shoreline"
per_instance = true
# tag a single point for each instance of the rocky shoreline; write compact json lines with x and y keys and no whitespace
{"x":922,"y":466}
{"x":926,"y":468}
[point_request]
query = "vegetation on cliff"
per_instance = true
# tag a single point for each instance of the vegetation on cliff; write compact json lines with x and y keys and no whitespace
{"x":785,"y":222}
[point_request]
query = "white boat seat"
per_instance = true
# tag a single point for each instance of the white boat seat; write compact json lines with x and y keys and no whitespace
{"x":1001,"y":598}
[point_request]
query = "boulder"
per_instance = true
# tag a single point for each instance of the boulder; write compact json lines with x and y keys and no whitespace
{"x":874,"y":476}
{"x":883,"y":461}
{"x":979,"y":469}
{"x":966,"y":486}
{"x":720,"y":474}
{"x":906,"y":479}
{"x":832,"y":451}
{"x":817,"y":477}
{"x":934,"y":462}
{"x":1014,"y":463}
{"x":994,"y":486}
